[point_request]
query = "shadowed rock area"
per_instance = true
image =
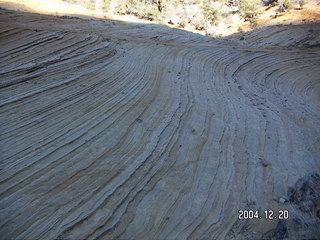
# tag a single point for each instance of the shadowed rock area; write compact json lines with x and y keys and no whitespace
{"x":114,"y":130}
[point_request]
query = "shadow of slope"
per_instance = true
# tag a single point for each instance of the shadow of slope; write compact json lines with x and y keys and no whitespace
{"x":289,"y":36}
{"x":94,"y":25}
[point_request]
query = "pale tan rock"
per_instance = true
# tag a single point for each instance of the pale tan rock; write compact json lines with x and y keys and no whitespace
{"x":113,"y":130}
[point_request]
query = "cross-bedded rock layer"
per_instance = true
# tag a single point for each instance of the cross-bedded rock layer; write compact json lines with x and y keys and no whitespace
{"x":113,"y":130}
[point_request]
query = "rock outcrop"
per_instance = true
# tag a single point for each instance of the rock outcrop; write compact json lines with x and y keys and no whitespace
{"x":306,"y":194}
{"x":113,"y":130}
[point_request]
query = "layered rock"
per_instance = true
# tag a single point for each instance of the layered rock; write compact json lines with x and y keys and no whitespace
{"x":113,"y":130}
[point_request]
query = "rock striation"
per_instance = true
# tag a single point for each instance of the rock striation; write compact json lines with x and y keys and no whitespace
{"x":114,"y":130}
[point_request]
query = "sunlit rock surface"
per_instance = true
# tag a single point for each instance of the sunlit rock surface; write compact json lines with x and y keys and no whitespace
{"x":114,"y":130}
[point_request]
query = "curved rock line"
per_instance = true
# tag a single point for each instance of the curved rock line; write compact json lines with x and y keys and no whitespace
{"x":113,"y":130}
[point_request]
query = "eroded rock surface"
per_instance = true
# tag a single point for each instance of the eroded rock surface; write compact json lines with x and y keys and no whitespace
{"x":113,"y":130}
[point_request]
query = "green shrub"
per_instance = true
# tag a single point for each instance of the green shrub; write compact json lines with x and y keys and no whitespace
{"x":302,"y":3}
{"x":250,"y":8}
{"x":287,"y":5}
{"x":90,"y":5}
{"x":275,"y":3}
{"x":119,"y":9}
{"x":211,"y":14}
{"x":176,"y":3}
{"x":106,"y":5}
{"x":126,"y":6}
{"x":140,"y":8}
{"x":149,"y":12}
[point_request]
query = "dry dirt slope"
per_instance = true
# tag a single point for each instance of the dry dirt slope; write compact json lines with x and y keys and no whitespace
{"x":131,"y":131}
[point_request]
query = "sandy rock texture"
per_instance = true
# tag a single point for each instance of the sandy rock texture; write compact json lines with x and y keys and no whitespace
{"x":114,"y":130}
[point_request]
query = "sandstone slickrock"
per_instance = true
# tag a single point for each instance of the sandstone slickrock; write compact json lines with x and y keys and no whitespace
{"x":113,"y":130}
